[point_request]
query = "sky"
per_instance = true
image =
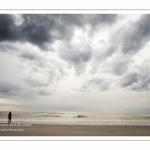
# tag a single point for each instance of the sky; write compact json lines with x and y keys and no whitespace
{"x":75,"y":62}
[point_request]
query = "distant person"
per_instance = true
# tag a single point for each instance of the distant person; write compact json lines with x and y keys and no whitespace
{"x":9,"y":117}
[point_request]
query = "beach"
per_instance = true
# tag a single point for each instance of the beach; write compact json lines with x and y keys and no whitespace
{"x":74,"y":124}
{"x":75,"y":130}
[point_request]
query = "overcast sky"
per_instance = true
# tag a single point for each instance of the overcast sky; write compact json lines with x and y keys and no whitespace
{"x":85,"y":63}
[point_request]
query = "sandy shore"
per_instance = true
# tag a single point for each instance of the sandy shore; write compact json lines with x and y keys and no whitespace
{"x":75,"y":130}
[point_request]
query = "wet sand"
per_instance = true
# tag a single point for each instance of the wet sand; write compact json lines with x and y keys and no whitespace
{"x":75,"y":130}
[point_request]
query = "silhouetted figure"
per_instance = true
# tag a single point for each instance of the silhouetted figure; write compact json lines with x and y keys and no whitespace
{"x":9,"y":117}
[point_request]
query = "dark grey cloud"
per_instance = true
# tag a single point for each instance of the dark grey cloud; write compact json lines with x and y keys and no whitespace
{"x":35,"y":29}
{"x":120,"y":68}
{"x":105,"y":52}
{"x":132,"y":37}
{"x":66,"y":23}
{"x":40,"y":29}
{"x":36,"y":83}
{"x":8,"y":31}
{"x":5,"y":47}
{"x":76,"y":55}
{"x":34,"y":59}
{"x":110,"y":50}
{"x":143,"y":77}
{"x":8,"y":88}
{"x":44,"y":92}
{"x":129,"y":79}
{"x":102,"y":19}
{"x":29,"y":56}
{"x":137,"y":81}
{"x":120,"y":65}
{"x":97,"y":83}
{"x":80,"y":20}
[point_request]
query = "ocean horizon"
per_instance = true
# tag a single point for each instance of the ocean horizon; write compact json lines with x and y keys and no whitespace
{"x":77,"y":118}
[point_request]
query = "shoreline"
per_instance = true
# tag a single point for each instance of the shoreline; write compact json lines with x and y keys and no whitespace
{"x":76,"y":130}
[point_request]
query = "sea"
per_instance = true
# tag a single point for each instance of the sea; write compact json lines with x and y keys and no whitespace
{"x":77,"y":118}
